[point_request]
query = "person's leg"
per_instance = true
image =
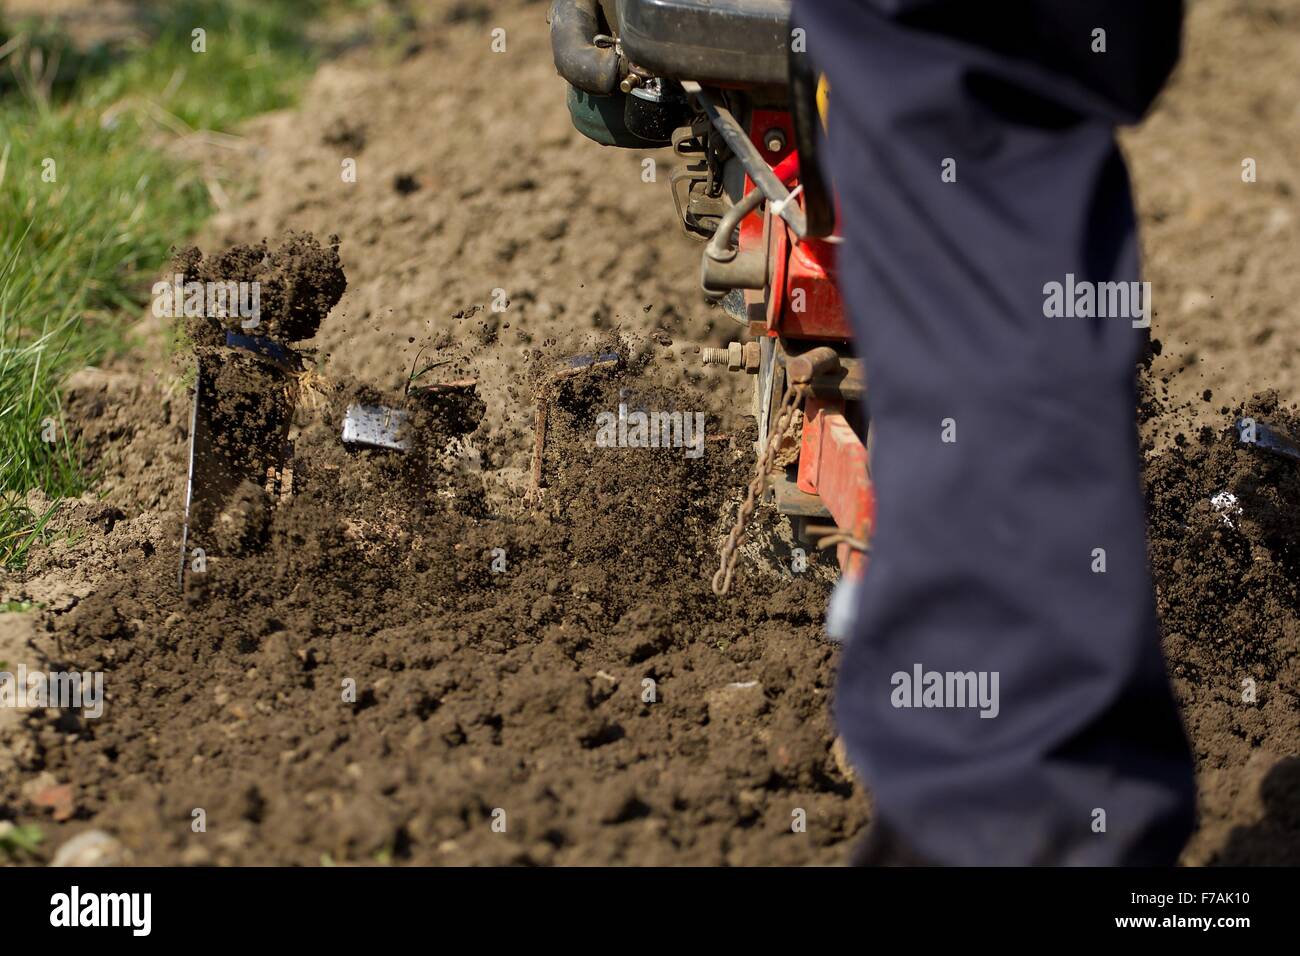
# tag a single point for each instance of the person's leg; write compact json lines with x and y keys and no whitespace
{"x":1005,"y":456}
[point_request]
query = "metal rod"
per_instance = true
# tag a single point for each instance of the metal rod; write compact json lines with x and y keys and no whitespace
{"x":719,"y":247}
{"x":744,"y":149}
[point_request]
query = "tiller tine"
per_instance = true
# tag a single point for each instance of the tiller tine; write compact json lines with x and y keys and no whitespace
{"x":239,"y":427}
{"x":380,"y":426}
{"x":376,"y":426}
{"x":575,"y":366}
{"x":1261,"y":435}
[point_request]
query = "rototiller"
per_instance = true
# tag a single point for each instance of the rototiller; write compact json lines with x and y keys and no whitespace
{"x":728,"y":84}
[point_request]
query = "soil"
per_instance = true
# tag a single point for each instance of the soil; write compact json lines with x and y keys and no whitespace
{"x":1224,"y":530}
{"x":419,"y":658}
{"x":387,"y":664}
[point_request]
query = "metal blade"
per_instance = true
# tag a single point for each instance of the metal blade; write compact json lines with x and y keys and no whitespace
{"x":235,"y":438}
{"x":575,"y":366}
{"x":375,"y":425}
{"x":1250,"y":432}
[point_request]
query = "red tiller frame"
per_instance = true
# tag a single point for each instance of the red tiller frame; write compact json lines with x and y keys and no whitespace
{"x":833,"y":465}
{"x":804,"y":304}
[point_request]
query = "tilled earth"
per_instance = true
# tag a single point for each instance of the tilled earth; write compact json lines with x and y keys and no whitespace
{"x":1224,"y":529}
{"x":414,"y":659}
{"x":390,"y":667}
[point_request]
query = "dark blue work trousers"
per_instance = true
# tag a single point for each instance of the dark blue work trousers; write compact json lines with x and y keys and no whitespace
{"x":972,"y":150}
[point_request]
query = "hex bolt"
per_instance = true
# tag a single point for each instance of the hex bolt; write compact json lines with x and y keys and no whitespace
{"x":732,"y":357}
{"x":774,"y":140}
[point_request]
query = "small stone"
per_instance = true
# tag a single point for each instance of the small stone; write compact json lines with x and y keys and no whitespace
{"x":58,"y":800}
{"x":91,"y":848}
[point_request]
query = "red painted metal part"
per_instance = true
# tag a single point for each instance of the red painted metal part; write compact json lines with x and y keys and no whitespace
{"x":810,"y":306}
{"x":803,"y":303}
{"x":761,"y":123}
{"x":833,"y":465}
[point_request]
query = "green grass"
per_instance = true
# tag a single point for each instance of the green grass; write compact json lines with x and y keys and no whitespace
{"x":81,"y":240}
{"x":19,"y":843}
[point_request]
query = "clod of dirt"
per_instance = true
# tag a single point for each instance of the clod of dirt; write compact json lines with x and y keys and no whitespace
{"x":299,"y":281}
{"x":346,"y":134}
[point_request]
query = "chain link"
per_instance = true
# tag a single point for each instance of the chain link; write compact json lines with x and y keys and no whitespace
{"x":790,"y":402}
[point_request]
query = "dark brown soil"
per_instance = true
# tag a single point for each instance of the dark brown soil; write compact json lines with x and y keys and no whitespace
{"x":384,"y":664}
{"x":357,"y":683}
{"x":1228,"y":595}
{"x":299,"y":281}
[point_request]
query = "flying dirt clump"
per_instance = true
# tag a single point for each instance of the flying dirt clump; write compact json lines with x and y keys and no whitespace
{"x":298,"y":282}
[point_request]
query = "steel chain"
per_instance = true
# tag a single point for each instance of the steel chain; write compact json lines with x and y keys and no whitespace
{"x":790,"y":401}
